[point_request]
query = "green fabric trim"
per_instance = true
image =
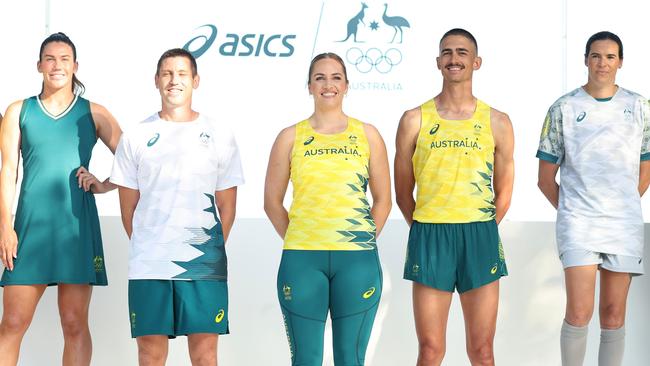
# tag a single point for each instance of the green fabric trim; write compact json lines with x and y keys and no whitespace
{"x":547,"y":157}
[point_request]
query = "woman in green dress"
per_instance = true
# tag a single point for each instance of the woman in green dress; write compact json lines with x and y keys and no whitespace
{"x":55,"y":239}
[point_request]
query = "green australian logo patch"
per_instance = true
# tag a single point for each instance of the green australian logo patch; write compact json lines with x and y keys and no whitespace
{"x":286,"y":289}
{"x":98,"y":262}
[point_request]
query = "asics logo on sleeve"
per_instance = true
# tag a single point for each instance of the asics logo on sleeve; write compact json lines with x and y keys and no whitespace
{"x":153,"y":140}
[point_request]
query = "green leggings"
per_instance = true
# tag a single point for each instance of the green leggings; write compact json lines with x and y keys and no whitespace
{"x":348,"y":284}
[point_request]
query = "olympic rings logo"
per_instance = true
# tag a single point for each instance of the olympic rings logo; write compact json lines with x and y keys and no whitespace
{"x":373,"y":58}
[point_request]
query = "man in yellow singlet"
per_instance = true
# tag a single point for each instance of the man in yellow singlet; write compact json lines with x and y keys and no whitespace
{"x":459,"y":153}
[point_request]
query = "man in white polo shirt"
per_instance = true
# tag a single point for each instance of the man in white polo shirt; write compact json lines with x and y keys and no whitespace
{"x":177,"y":173}
{"x":599,"y":135}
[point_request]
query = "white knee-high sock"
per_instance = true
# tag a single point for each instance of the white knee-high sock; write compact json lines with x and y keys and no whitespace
{"x":612,"y":345}
{"x":573,"y":344}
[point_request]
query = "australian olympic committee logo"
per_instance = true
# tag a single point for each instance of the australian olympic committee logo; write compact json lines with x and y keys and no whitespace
{"x":371,"y":40}
{"x":380,"y":59}
{"x":240,"y":44}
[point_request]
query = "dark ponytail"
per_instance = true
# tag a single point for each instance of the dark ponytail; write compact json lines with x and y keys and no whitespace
{"x":77,"y":86}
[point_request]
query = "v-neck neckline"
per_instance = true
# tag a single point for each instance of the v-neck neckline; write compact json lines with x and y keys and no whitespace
{"x":60,"y":115}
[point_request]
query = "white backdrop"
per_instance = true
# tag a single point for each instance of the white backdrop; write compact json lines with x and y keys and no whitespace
{"x":532,"y":54}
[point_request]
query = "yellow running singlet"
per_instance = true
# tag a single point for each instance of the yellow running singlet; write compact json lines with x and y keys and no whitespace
{"x":329,"y":174}
{"x":453,"y":163}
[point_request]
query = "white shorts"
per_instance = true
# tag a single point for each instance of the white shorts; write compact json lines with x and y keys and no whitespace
{"x":610,"y":262}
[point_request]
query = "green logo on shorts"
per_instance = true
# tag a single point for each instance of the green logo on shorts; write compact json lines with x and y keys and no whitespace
{"x":494,"y":269}
{"x":286,"y":289}
{"x":99,"y":264}
{"x":415,"y":269}
{"x":133,"y":320}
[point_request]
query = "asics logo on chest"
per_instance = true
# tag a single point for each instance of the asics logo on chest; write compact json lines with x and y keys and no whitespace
{"x":153,"y":140}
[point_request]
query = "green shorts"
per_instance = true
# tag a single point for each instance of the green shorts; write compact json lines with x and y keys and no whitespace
{"x":175,"y":307}
{"x":345,"y":283}
{"x":454,"y":256}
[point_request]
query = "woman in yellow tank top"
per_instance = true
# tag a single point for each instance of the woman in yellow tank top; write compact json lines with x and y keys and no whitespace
{"x":330,"y":261}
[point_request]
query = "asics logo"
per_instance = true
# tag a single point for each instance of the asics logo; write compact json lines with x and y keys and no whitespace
{"x":309,"y":140}
{"x":370,"y":292}
{"x":153,"y":140}
{"x":434,"y":129}
{"x":581,"y":116}
{"x":494,"y":269}
{"x":219,"y":317}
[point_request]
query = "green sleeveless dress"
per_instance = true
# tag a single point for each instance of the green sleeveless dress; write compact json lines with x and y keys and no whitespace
{"x":57,"y":225}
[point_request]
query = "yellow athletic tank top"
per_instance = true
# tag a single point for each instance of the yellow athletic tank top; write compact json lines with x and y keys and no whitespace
{"x":329,"y":174}
{"x":453,"y":163}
